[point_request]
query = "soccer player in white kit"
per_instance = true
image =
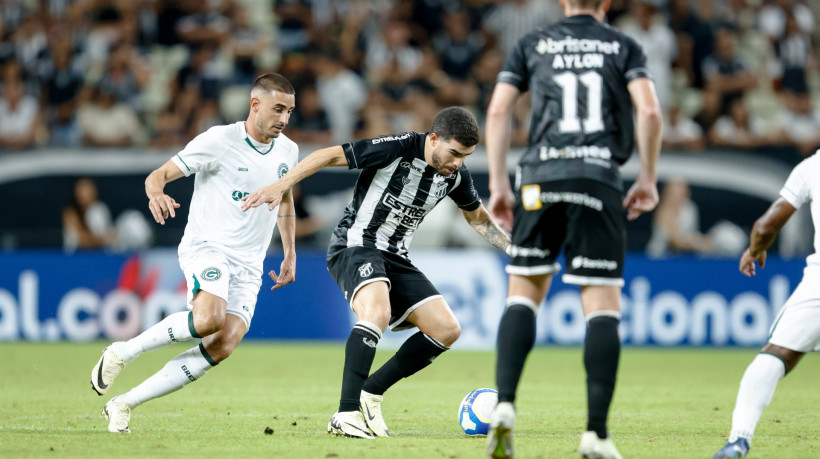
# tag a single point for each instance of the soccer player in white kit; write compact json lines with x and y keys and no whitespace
{"x":222,"y":250}
{"x":796,"y":329}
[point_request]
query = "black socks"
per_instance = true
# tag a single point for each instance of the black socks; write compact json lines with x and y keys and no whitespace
{"x":602,"y":350}
{"x":415,"y":354}
{"x":359,"y":353}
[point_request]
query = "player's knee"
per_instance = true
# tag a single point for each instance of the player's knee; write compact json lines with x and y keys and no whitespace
{"x":449,"y":333}
{"x":221,"y":349}
{"x":209,"y":323}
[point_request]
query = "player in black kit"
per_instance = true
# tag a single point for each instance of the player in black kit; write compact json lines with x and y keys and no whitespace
{"x":403,"y":177}
{"x":585,"y":79}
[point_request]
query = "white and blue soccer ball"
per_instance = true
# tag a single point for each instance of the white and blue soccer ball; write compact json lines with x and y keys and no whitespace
{"x":476,"y":410}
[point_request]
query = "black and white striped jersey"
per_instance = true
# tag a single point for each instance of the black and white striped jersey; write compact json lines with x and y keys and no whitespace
{"x":394,"y":192}
{"x":577,"y":71}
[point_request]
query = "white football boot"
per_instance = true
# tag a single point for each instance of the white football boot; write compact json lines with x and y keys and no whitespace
{"x":372,"y":411}
{"x":117,"y":414}
{"x":500,"y":436}
{"x":349,"y":424}
{"x":593,"y":447}
{"x":106,"y":370}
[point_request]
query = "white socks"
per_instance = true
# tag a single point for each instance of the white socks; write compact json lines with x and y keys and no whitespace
{"x":756,"y":391}
{"x":175,"y":328}
{"x":179,"y":371}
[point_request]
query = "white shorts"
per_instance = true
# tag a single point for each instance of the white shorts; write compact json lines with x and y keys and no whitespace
{"x":797,"y":325}
{"x":209,"y":268}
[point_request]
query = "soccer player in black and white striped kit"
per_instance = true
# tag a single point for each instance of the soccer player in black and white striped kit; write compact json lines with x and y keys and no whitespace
{"x":403,"y":177}
{"x":586,"y":82}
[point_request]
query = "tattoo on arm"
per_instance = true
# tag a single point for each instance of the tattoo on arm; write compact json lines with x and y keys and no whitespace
{"x":286,"y":216}
{"x":491,"y":232}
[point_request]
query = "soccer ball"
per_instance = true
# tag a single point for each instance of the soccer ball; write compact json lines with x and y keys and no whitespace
{"x":475,"y":411}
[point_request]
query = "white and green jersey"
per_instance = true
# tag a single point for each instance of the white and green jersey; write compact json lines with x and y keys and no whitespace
{"x":801,"y":187}
{"x":229,"y":165}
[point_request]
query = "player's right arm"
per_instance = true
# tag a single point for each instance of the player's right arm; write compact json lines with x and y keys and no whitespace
{"x":272,"y":194}
{"x":643,"y":195}
{"x":499,"y":130}
{"x":161,"y":205}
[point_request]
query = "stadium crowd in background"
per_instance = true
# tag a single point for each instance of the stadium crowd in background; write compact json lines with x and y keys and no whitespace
{"x":154,"y":74}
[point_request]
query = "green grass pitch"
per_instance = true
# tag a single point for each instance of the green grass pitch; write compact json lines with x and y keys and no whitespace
{"x":668,"y":403}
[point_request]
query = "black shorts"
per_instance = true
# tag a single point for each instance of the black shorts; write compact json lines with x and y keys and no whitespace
{"x":354,"y":267}
{"x":584,"y":218}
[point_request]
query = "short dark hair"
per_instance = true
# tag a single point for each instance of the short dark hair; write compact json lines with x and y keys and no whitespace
{"x":273,"y":82}
{"x":593,"y":4}
{"x":458,"y":123}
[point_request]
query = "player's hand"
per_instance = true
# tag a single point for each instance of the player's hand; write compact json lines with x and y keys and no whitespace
{"x":271,"y":194}
{"x":287,"y":273}
{"x":162,"y":206}
{"x":747,"y":262}
{"x":501,"y":209}
{"x":642,"y":197}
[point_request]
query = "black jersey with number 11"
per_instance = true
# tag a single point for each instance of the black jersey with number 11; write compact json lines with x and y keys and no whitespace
{"x":577,"y":71}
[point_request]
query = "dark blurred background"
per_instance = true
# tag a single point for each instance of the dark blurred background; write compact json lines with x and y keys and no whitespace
{"x":94,"y":94}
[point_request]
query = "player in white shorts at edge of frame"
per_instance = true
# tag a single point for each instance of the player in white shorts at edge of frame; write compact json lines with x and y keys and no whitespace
{"x":796,"y":329}
{"x":403,"y":177}
{"x":222,"y":250}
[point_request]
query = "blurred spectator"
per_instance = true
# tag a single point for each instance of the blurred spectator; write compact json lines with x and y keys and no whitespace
{"x":801,"y":123}
{"x":294,"y":24}
{"x":246,"y":44}
{"x":392,"y":57}
{"x":657,"y":41}
{"x":676,"y":223}
{"x":681,"y":132}
{"x":794,"y":55}
{"x":205,"y":117}
{"x":87,"y":223}
{"x":105,"y":123}
{"x":309,"y":122}
{"x":727,"y":77}
{"x":341,"y":92}
{"x":205,"y":72}
{"x":773,"y":18}
{"x":307,"y":226}
{"x":19,"y":117}
{"x":695,"y":38}
{"x":126,"y":75}
{"x":65,"y":131}
{"x":739,"y":129}
{"x":457,"y":46}
{"x":485,"y":73}
{"x":86,"y":220}
{"x":510,"y":20}
{"x":204,"y":25}
{"x":169,"y":130}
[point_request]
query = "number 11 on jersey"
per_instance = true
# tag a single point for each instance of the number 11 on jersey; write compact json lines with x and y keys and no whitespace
{"x":568,"y":81}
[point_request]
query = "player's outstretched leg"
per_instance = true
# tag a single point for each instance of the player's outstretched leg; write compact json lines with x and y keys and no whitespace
{"x":756,"y":391}
{"x":176,"y":374}
{"x":118,"y":415}
{"x":175,"y":328}
{"x":106,"y":370}
{"x":415,"y":354}
{"x":500,"y":436}
{"x":602,"y":349}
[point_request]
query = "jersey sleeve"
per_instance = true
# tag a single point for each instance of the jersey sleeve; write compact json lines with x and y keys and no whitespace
{"x":464,"y":193}
{"x":378,"y":151}
{"x":514,"y":70}
{"x":796,"y":190}
{"x":201,"y":154}
{"x":635,"y":61}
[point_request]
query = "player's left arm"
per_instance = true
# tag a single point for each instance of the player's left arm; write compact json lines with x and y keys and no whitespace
{"x":286,"y":221}
{"x":764,"y":232}
{"x":480,"y":220}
